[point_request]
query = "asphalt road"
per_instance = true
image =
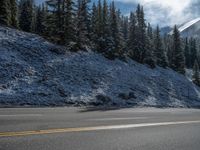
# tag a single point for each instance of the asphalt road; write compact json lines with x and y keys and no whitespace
{"x":81,"y":129}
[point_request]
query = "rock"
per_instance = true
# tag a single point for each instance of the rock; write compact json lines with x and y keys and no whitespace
{"x":57,"y":50}
{"x":127,"y":96}
{"x":104,"y":99}
{"x":62,"y":92}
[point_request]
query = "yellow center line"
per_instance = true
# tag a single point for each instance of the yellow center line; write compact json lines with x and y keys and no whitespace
{"x":97,"y":128}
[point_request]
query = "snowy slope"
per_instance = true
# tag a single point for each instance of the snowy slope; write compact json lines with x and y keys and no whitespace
{"x":190,"y":29}
{"x":188,"y":24}
{"x":31,"y":74}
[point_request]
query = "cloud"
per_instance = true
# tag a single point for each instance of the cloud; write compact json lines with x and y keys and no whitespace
{"x":162,"y":12}
{"x":166,"y":12}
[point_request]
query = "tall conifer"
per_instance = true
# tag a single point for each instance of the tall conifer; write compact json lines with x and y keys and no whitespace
{"x":178,"y":60}
{"x":4,"y":12}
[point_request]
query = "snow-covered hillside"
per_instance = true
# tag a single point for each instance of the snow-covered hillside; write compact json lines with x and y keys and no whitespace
{"x":33,"y":74}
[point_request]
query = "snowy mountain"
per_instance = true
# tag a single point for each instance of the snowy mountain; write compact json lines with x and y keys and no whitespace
{"x":35,"y":72}
{"x":190,"y":29}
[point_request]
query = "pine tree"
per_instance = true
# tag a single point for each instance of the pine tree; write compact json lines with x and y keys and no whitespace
{"x":82,"y":32}
{"x":40,"y":20}
{"x":105,"y":18}
{"x":26,"y":15}
{"x":94,"y":27}
{"x":150,"y":31}
{"x":149,"y":54}
{"x":161,"y":58}
{"x":141,"y":33}
{"x":100,"y":20}
{"x":125,"y":26}
{"x":132,"y":38}
{"x":106,"y":41}
{"x":149,"y":51}
{"x":178,"y":60}
{"x":187,"y":54}
{"x":196,"y":73}
{"x":140,"y":30}
{"x":69,"y":25}
{"x":34,"y":19}
{"x":193,"y":50}
{"x":112,"y":53}
{"x":14,"y":14}
{"x":168,"y":47}
{"x":116,"y":50}
{"x":97,"y":27}
{"x":4,"y":12}
{"x":54,"y":21}
{"x":121,"y":45}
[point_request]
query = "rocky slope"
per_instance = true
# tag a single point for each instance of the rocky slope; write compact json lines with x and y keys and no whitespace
{"x":35,"y":73}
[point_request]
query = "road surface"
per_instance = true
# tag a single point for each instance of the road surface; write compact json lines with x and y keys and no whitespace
{"x":82,"y":129}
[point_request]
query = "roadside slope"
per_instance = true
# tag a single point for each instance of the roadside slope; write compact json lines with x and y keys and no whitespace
{"x":32,"y":74}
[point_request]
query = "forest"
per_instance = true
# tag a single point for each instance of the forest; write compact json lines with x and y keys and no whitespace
{"x":101,"y":27}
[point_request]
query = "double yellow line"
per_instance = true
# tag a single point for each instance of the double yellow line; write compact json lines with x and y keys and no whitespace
{"x":97,"y":128}
{"x":49,"y":131}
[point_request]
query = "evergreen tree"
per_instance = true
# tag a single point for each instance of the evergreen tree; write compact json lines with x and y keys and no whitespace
{"x":149,"y":51}
{"x":150,"y":31}
{"x":5,"y":12}
{"x":94,"y":27}
{"x":121,"y":45}
{"x":69,"y":25}
{"x":141,"y":33}
{"x":193,"y":50}
{"x":125,"y":26}
{"x":97,"y":18}
{"x":26,"y":15}
{"x":161,"y":58}
{"x":140,"y":42}
{"x":101,"y":28}
{"x":54,"y":21}
{"x":100,"y":20}
{"x":187,"y":54}
{"x":14,"y":14}
{"x":178,"y":60}
{"x":40,"y":20}
{"x":132,"y":38}
{"x":106,"y":41}
{"x":149,"y":54}
{"x":34,"y":19}
{"x":116,"y":50}
{"x":168,"y":47}
{"x":82,"y":32}
{"x":105,"y":18}
{"x":196,"y":73}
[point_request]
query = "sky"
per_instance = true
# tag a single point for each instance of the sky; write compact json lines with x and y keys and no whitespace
{"x":167,"y":12}
{"x":162,"y":12}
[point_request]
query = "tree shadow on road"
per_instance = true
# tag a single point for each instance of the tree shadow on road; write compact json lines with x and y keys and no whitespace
{"x":102,"y":108}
